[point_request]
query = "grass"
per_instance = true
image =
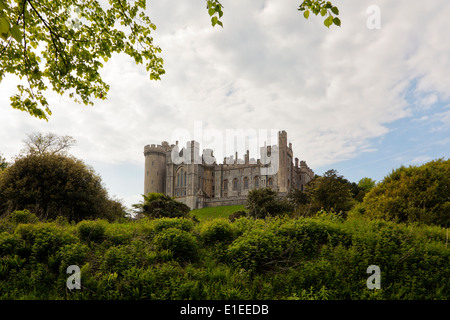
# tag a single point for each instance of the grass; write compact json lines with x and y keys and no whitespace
{"x":210,"y":213}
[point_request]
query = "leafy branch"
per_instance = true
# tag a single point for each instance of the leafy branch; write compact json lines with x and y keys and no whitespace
{"x":323,"y":8}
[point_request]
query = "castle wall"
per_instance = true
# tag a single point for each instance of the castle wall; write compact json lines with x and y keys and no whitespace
{"x":200,"y":184}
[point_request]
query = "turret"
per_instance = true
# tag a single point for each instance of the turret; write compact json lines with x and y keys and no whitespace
{"x":155,"y":167}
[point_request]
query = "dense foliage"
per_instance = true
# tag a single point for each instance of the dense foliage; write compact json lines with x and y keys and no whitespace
{"x":264,"y":202}
{"x":159,"y":205}
{"x":176,"y":258}
{"x":413,"y":194}
{"x":52,"y":185}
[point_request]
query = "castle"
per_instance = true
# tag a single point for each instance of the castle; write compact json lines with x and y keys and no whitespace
{"x":198,"y":181}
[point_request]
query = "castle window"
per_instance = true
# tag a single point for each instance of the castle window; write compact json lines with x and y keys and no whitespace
{"x":256,"y":182}
{"x":235,"y":184}
{"x":181,"y":178}
{"x":225,"y":184}
{"x":245,"y":183}
{"x":270,"y":182}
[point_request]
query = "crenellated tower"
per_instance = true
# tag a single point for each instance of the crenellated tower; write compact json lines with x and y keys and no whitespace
{"x":155,"y":167}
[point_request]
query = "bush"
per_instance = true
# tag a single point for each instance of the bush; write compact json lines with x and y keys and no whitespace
{"x":182,"y":244}
{"x":262,"y":203}
{"x":236,"y":215}
{"x":177,"y":223}
{"x":257,"y":250}
{"x":413,"y":194}
{"x":52,"y":185}
{"x":72,"y":254}
{"x":120,"y":258}
{"x":217,"y":231}
{"x":159,"y":205}
{"x":91,"y":231}
{"x":42,"y":241}
{"x":23,"y":216}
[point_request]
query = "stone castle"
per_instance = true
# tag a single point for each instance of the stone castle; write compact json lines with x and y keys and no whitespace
{"x":198,"y":181}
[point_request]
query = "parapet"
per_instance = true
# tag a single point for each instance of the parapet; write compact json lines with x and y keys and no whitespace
{"x":160,"y":148}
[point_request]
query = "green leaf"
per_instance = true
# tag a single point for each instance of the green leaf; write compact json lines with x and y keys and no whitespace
{"x":3,"y":5}
{"x":337,"y":22}
{"x":328,"y":21}
{"x":214,"y":21}
{"x":306,"y":14}
{"x":16,"y":33}
{"x":211,"y":11}
{"x":323,"y":12}
{"x":4,"y":25}
{"x":335,"y":10}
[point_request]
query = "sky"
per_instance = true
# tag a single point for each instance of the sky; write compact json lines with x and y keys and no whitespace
{"x":363,"y":98}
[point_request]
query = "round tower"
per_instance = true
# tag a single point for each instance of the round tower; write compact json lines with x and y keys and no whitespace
{"x":155,"y":167}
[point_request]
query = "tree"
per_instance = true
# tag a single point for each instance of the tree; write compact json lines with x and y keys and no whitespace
{"x":63,"y":44}
{"x":265,"y":202}
{"x":3,"y":163}
{"x":364,"y":186}
{"x":413,"y":194}
{"x":159,"y":205}
{"x":37,"y":143}
{"x":52,"y":185}
{"x":329,"y":192}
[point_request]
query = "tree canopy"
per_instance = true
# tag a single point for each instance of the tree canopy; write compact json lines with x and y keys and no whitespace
{"x":159,"y":205}
{"x":62,"y":45}
{"x":330,"y":192}
{"x":38,"y":143}
{"x":52,"y":185}
{"x":413,"y":194}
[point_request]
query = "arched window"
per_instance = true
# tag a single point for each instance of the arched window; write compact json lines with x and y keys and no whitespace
{"x":256,"y":182}
{"x":235,"y":184}
{"x":225,"y":184}
{"x":245,"y":183}
{"x":181,"y":178}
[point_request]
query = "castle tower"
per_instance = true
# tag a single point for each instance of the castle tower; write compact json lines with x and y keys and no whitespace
{"x":155,"y":167}
{"x":285,"y":163}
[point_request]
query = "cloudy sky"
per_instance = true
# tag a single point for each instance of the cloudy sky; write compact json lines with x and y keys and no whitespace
{"x":359,"y":100}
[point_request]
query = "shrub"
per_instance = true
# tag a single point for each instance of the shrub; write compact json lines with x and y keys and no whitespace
{"x":257,"y":250}
{"x":91,"y":231}
{"x":23,"y":216}
{"x":264,"y":202}
{"x":236,"y":215}
{"x":42,"y":241}
{"x":159,"y":205}
{"x":177,"y":223}
{"x":72,"y":254}
{"x":413,"y":194}
{"x":182,"y":244}
{"x":217,"y":231}
{"x":51,"y":185}
{"x":123,"y":257}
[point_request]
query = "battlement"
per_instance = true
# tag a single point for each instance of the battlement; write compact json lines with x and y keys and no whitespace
{"x":160,"y":148}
